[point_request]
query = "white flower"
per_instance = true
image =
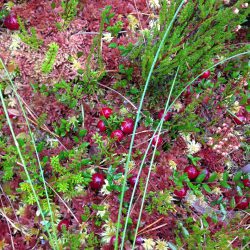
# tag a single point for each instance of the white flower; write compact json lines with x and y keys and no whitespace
{"x":79,"y":188}
{"x":172,"y":164}
{"x":154,"y":4}
{"x":177,"y":106}
{"x":101,"y":213}
{"x":148,"y":244}
{"x":193,"y":147}
{"x":236,"y":107}
{"x":216,"y":190}
{"x":107,"y":37}
{"x":104,"y":190}
{"x":161,"y":245}
{"x":109,"y":231}
{"x":133,"y":22}
{"x":153,"y":24}
{"x":236,"y":11}
{"x":15,"y":43}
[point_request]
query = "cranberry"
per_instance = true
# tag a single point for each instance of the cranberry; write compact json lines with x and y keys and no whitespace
{"x":97,"y":181}
{"x":112,"y":241}
{"x":62,"y":223}
{"x":205,"y":75}
{"x":206,"y":172}
{"x":101,"y":126}
{"x":181,"y":193}
{"x":167,"y":116}
{"x":155,"y":140}
{"x":117,"y":135}
{"x":191,"y":171}
{"x":127,"y":126}
{"x":10,"y":22}
{"x":246,"y":182}
{"x":139,"y":241}
{"x":240,"y":119}
{"x":241,"y":202}
{"x":132,"y":180}
{"x":106,"y":112}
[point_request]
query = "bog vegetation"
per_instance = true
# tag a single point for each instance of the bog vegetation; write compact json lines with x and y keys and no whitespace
{"x":124,"y":124}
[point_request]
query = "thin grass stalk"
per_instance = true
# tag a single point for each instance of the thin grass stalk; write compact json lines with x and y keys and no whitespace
{"x":37,"y":155}
{"x":136,"y":123}
{"x":153,"y":157}
{"x":150,"y":142}
{"x":21,"y":157}
{"x":137,"y":120}
{"x":143,"y":161}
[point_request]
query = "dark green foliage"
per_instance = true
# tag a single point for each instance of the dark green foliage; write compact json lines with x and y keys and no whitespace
{"x":198,"y":35}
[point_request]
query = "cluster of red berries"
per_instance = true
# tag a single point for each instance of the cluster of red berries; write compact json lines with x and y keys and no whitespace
{"x":127,"y":126}
{"x":242,"y":202}
{"x":192,"y":173}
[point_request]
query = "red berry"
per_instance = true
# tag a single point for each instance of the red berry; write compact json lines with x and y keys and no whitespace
{"x":191,"y":171}
{"x":97,"y":181}
{"x":101,"y":126}
{"x":139,"y":241}
{"x":117,"y":135}
{"x":112,"y":241}
{"x":181,"y":193}
{"x":240,"y":119}
{"x":155,"y":141}
{"x":132,"y":180}
{"x":10,"y":22}
{"x":62,"y":223}
{"x":167,"y":116}
{"x":246,"y":182}
{"x":106,"y":112}
{"x":241,"y":202}
{"x":205,"y":75}
{"x":127,"y":126}
{"x":206,"y":172}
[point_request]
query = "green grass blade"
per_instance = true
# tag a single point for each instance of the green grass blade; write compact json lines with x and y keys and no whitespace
{"x":137,"y":120}
{"x":153,"y":157}
{"x":37,"y":156}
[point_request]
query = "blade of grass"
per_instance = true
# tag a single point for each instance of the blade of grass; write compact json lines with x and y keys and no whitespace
{"x":37,"y":155}
{"x":149,"y":145}
{"x":21,"y":156}
{"x":136,"y":123}
{"x":153,"y":157}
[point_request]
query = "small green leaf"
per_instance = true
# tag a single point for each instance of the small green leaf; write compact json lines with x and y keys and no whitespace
{"x":206,"y":188}
{"x":212,"y":177}
{"x":225,"y":176}
{"x":80,"y":71}
{"x":237,"y":176}
{"x":113,"y":45}
{"x":53,"y":5}
{"x":82,"y":132}
{"x":232,"y":203}
{"x":225,"y":184}
{"x":200,"y":178}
